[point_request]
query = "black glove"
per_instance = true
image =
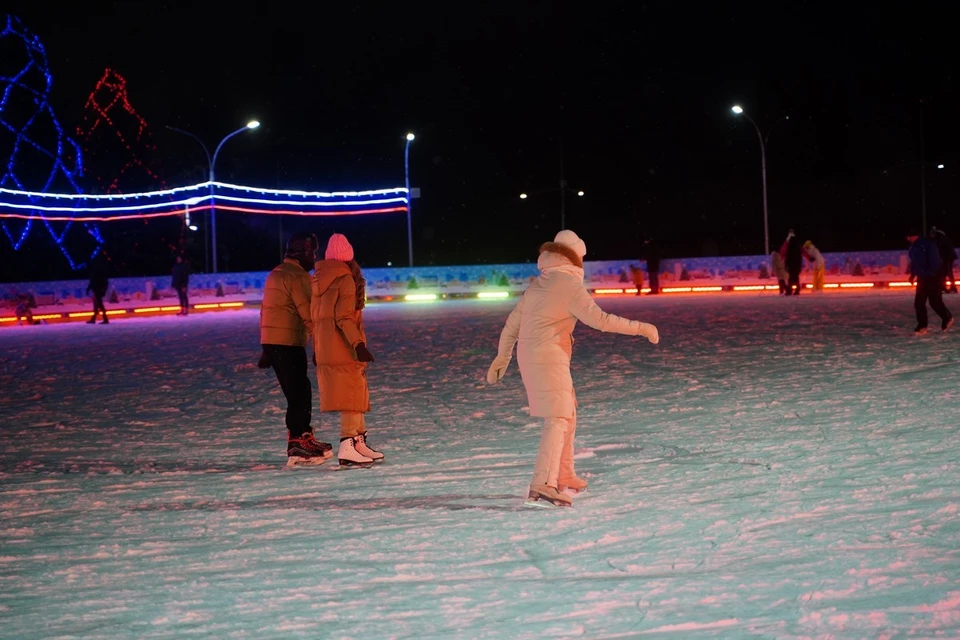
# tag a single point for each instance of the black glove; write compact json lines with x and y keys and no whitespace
{"x":363,"y":354}
{"x":264,"y":361}
{"x":315,"y":359}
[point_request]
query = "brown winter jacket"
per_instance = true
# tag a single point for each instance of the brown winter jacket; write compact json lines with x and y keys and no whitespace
{"x":337,"y":330}
{"x":285,"y":313}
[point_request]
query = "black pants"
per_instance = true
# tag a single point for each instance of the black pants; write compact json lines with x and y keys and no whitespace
{"x":793,"y":284}
{"x":98,"y":304}
{"x":290,"y":365}
{"x":783,"y":287}
{"x":654,"y":282}
{"x":184,"y":303}
{"x":928,"y":288}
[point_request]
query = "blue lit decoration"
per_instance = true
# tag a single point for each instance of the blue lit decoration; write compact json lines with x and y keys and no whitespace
{"x":115,"y":207}
{"x":30,"y":84}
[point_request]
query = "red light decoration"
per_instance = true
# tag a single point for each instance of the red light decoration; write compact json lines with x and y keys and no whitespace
{"x":122,"y":157}
{"x":108,"y":108}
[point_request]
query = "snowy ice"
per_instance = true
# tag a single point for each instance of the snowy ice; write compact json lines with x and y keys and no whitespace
{"x":776,"y":467}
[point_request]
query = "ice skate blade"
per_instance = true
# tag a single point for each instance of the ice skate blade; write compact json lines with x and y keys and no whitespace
{"x":350,"y":464}
{"x":296,"y":461}
{"x":536,"y":500}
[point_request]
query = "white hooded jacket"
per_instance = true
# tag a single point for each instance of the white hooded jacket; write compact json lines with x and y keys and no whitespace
{"x":542,"y":326}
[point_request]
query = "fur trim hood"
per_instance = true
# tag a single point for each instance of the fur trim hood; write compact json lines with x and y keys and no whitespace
{"x":563,"y":250}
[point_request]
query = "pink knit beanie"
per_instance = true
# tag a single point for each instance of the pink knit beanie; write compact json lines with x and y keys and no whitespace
{"x":338,"y":248}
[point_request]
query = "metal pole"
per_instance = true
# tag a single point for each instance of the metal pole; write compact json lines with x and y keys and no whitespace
{"x":563,"y":205}
{"x":763,"y":176}
{"x":923,"y":179}
{"x":213,"y":221}
{"x":766,"y":217}
{"x":406,"y":179}
{"x":279,"y":217}
{"x":563,"y":192}
{"x":206,"y":221}
{"x":213,"y":209}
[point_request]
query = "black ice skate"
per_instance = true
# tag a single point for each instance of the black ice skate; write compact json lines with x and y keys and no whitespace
{"x":307,"y":450}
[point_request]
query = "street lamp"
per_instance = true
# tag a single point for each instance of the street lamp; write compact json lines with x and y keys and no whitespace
{"x":406,"y":180}
{"x":738,"y":110}
{"x":211,"y":162}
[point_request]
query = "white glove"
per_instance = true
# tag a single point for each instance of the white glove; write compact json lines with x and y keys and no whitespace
{"x":497,"y":369}
{"x":649,"y":332}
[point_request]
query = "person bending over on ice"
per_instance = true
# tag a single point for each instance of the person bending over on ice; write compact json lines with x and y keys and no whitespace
{"x":819,"y":265}
{"x":284,"y":327}
{"x":542,"y":325}
{"x":339,"y":293}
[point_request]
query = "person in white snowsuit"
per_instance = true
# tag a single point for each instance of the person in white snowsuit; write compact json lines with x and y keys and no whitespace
{"x":819,"y":265}
{"x":542,"y":325}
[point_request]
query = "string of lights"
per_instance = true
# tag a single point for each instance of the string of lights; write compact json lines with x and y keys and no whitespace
{"x":25,"y":112}
{"x":205,"y":186}
{"x":110,"y":96}
{"x":180,"y":212}
{"x":14,"y":203}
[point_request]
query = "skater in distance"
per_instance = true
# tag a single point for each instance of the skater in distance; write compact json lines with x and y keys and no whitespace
{"x":541,"y":325}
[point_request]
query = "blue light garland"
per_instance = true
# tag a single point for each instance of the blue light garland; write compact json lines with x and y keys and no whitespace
{"x":16,"y":203}
{"x":17,"y":85}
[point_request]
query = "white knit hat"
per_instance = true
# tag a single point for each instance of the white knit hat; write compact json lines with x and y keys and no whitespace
{"x":338,"y":248}
{"x":572,"y":240}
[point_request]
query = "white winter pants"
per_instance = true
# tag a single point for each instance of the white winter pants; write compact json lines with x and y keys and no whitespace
{"x":555,"y":457}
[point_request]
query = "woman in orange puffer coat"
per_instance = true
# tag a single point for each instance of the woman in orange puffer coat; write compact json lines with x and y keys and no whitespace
{"x":542,"y":325}
{"x":339,"y":341}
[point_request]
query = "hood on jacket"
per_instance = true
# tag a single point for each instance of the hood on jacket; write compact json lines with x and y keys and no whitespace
{"x":326,"y":272}
{"x":561,"y":250}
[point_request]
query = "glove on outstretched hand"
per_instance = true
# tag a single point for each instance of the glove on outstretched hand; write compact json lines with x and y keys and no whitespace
{"x":649,"y":332}
{"x":363,"y":354}
{"x":497,"y":369}
{"x":264,"y":361}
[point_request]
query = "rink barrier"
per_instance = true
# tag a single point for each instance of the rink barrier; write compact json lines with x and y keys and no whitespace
{"x":482,"y":295}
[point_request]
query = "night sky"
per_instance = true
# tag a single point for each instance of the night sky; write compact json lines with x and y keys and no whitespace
{"x":633,"y":98}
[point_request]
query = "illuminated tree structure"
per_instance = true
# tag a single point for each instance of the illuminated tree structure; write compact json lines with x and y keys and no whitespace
{"x":121,"y":156}
{"x":41,"y":158}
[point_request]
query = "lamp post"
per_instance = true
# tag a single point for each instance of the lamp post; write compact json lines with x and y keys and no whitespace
{"x":738,"y":110}
{"x":211,"y":163}
{"x":406,"y":179}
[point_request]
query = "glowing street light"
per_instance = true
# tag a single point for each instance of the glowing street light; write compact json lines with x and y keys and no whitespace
{"x":939,"y":166}
{"x":211,"y":163}
{"x":523,"y":196}
{"x":192,"y":227}
{"x":579,"y":193}
{"x":738,"y":110}
{"x":406,"y":178}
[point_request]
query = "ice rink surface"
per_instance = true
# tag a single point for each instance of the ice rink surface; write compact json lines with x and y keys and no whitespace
{"x":776,"y":467}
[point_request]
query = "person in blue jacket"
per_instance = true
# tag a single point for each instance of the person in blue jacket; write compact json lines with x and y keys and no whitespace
{"x":925,"y":269}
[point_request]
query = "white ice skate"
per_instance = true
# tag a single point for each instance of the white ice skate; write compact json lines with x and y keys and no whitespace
{"x":360,"y":444}
{"x":549,"y":494}
{"x":350,"y":457}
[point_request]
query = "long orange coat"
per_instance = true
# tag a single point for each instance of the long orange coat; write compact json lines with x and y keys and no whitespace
{"x":337,"y":330}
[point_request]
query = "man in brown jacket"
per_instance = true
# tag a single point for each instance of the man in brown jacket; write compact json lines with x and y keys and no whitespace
{"x":285,"y":326}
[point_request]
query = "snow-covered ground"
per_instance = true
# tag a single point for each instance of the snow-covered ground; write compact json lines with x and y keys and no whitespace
{"x":776,"y":467}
